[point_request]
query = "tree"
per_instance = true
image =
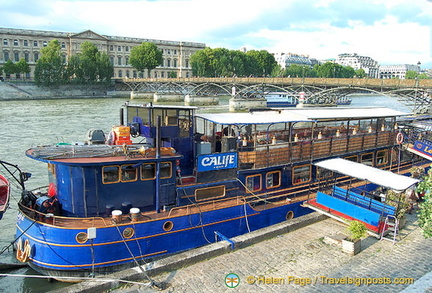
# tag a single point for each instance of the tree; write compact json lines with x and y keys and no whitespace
{"x":265,"y":61}
{"x":425,"y":212}
{"x":360,"y":73}
{"x":50,"y":68}
{"x":411,"y":74}
{"x":90,"y":66}
{"x":146,"y":56}
{"x":22,"y":66}
{"x":9,"y":68}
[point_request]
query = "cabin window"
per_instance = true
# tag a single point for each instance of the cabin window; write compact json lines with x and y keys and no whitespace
{"x":322,"y":173}
{"x":351,"y":158}
{"x":367,"y":159}
{"x":209,"y":192}
{"x":165,"y":170}
{"x":253,"y":183}
{"x":301,"y":174}
{"x":111,"y":174}
{"x":381,"y":157}
{"x":148,"y":171}
{"x":273,"y":179}
{"x":128,"y":173}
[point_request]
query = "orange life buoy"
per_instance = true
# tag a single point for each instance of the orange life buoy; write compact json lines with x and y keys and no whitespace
{"x":399,"y":138}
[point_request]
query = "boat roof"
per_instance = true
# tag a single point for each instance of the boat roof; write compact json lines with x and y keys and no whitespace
{"x":381,"y":177}
{"x":300,"y":115}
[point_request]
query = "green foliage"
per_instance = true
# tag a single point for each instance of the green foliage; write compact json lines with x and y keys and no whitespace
{"x":360,"y":73}
{"x":172,"y":74}
{"x":146,"y":56}
{"x":22,"y":66}
{"x":356,"y":230}
{"x":50,"y":67}
{"x":1,"y":71}
{"x":9,"y":67}
{"x":90,"y":66}
{"x":425,"y":212}
{"x":223,"y":62}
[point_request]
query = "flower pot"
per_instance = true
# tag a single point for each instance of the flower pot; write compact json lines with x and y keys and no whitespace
{"x":351,"y":247}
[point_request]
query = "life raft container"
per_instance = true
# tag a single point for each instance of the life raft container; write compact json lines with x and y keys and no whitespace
{"x":23,"y":250}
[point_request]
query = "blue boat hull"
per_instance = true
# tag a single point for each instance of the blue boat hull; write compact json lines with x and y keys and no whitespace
{"x":56,"y":252}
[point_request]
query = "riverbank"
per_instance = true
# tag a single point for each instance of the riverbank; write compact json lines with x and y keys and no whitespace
{"x":29,"y":91}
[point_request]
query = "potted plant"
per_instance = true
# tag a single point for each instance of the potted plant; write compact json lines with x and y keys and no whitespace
{"x":352,"y":244}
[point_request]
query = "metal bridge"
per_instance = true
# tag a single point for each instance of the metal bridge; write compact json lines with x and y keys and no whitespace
{"x":416,"y":94}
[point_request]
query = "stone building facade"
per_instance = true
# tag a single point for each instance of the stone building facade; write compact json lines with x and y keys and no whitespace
{"x":397,"y":71}
{"x":21,"y":43}
{"x":366,"y":63}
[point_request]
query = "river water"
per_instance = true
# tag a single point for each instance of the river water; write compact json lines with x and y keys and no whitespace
{"x":37,"y":122}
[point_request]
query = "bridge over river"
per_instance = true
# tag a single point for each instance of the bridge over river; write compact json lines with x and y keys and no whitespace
{"x":416,"y":94}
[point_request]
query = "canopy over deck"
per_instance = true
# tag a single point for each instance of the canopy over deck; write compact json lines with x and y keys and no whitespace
{"x":381,"y":177}
{"x":300,"y":115}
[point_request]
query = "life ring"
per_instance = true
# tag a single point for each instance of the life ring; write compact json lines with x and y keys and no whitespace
{"x":23,"y":251}
{"x":399,"y":138}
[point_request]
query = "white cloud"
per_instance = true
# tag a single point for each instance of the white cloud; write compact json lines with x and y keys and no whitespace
{"x":396,"y":31}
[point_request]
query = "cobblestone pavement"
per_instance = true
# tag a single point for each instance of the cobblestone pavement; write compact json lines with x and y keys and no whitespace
{"x":287,"y":262}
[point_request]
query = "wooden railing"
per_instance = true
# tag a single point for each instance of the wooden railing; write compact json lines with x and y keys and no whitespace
{"x":285,"y":153}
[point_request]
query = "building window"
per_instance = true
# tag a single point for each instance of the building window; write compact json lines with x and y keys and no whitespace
{"x":210,"y":192}
{"x":367,"y":159}
{"x":16,"y":43}
{"x":120,"y":73}
{"x":381,"y":157}
{"x":127,"y":48}
{"x":253,"y":183}
{"x":128,"y":173}
{"x":351,"y":158}
{"x":119,"y":48}
{"x":175,"y":63}
{"x":25,"y":43}
{"x":63,"y":45}
{"x":127,"y":73}
{"x":187,"y":63}
{"x":36,"y":56}
{"x":112,"y":60}
{"x":16,"y":56}
{"x":175,"y":52}
{"x":111,"y":47}
{"x":169,"y":63}
{"x":165,"y":170}
{"x":301,"y":174}
{"x":127,"y":61}
{"x":111,"y":174}
{"x":273,"y":179}
{"x":119,"y":60}
{"x":322,"y":173}
{"x":35,"y":44}
{"x":134,"y":74}
{"x":148,"y":171}
{"x":5,"y":42}
{"x":26,"y":56}
{"x":45,"y":43}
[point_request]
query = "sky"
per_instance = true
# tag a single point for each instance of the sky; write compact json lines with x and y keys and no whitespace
{"x":388,"y":31}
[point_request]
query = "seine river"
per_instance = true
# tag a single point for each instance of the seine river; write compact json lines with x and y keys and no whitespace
{"x":30,"y":123}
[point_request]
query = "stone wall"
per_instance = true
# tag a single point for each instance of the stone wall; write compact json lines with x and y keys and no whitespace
{"x":19,"y":91}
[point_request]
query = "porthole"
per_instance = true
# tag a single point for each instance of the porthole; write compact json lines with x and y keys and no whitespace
{"x":128,"y":232}
{"x":168,"y":225}
{"x":81,"y":237}
{"x":289,"y":215}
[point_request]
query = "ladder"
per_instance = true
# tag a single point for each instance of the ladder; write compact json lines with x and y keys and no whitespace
{"x":390,"y":228}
